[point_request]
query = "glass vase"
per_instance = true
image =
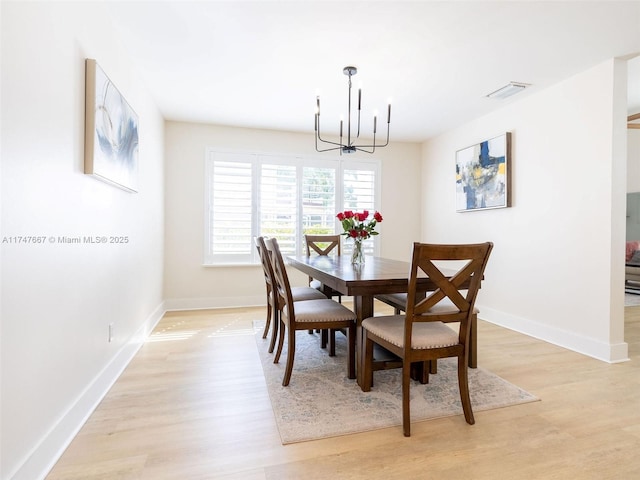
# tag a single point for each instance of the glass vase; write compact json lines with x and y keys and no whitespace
{"x":357,"y":256}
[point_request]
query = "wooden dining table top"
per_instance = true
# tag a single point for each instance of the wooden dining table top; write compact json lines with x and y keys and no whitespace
{"x":377,"y":275}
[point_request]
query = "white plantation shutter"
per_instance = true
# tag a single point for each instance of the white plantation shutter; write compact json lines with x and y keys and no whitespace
{"x":319,"y":201}
{"x":279,"y":205}
{"x":360,"y":184}
{"x":359,"y":188}
{"x":229,"y":220}
{"x":279,"y":196}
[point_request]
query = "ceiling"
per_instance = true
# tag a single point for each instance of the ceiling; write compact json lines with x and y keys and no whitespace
{"x":261,"y":64}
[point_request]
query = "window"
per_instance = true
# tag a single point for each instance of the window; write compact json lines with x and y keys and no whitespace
{"x":285,"y":197}
{"x":318,"y":199}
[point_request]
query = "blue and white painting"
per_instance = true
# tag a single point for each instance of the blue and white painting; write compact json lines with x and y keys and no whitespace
{"x":113,"y":152}
{"x":482,"y":175}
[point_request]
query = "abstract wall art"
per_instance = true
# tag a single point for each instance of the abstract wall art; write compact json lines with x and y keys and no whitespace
{"x":111,"y":132}
{"x":483,"y":175}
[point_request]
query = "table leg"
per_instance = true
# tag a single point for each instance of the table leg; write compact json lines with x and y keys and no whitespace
{"x":326,"y":336}
{"x":363,"y":308}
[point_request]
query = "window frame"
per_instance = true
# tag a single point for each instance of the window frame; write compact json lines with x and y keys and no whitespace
{"x":257,"y":159}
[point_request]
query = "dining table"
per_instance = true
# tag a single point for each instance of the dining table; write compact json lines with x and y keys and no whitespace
{"x":377,"y":275}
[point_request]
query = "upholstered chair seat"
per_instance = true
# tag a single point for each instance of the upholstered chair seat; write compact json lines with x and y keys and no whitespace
{"x":319,"y":311}
{"x":424,"y":335}
{"x":301,"y":294}
{"x":399,"y":303}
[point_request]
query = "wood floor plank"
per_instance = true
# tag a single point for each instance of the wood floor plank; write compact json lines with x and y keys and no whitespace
{"x":193,"y":404}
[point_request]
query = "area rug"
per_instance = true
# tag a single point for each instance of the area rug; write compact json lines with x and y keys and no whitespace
{"x":321,"y":401}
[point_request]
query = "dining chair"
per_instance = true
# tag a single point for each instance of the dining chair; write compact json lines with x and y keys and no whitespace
{"x":422,"y":334}
{"x":274,"y":303}
{"x":323,"y":245}
{"x":311,"y":314}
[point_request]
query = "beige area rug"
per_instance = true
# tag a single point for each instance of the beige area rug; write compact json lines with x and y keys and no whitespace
{"x":321,"y":401}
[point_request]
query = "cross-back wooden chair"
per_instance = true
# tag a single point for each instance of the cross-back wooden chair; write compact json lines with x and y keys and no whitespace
{"x":274,"y":303}
{"x":307,"y":315}
{"x":323,"y":245}
{"x":422,"y":334}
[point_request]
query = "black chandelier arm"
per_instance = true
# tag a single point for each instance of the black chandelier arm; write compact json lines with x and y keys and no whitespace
{"x":349,"y":143}
{"x":328,"y":149}
{"x":344,"y":147}
{"x":375,"y":145}
{"x":318,"y":137}
{"x":338,"y":147}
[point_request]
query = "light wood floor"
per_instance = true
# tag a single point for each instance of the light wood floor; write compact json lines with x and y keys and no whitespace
{"x":193,"y":405}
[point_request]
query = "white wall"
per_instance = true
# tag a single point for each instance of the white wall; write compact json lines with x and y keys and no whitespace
{"x":551,"y":273}
{"x":57,"y":299}
{"x":190,"y":285}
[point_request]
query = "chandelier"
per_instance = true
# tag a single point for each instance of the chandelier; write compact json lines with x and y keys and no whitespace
{"x":348,"y":145}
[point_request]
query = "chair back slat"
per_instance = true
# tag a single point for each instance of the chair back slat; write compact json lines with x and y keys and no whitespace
{"x":322,"y":244}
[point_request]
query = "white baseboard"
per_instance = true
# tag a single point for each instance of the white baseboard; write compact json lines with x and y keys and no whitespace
{"x":611,"y":353}
{"x":203,"y":303}
{"x":46,"y":453}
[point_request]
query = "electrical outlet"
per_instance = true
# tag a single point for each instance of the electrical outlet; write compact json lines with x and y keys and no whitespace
{"x":110,"y":332}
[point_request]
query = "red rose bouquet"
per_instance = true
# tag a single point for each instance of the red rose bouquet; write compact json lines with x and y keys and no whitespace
{"x":356,"y":226}
{"x":359,"y":227}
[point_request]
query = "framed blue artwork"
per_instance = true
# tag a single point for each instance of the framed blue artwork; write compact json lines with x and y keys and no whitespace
{"x":483,"y":175}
